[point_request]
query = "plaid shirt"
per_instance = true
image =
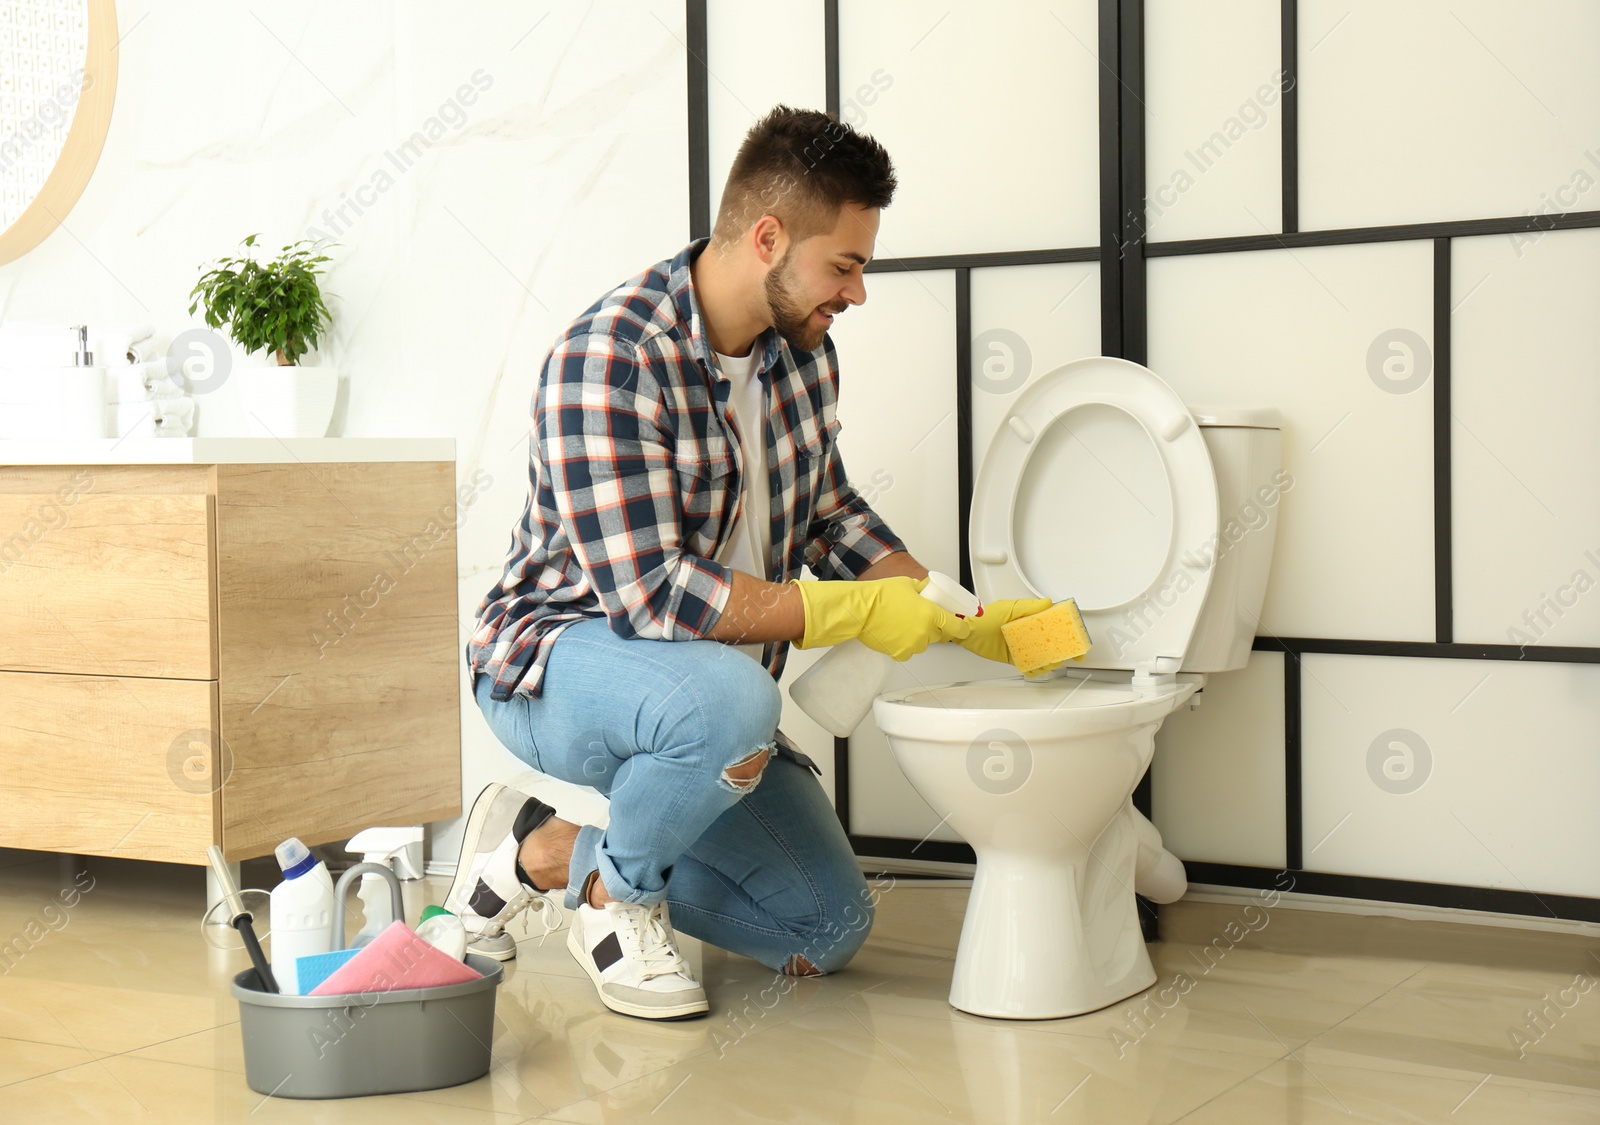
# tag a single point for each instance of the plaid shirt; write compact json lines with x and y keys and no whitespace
{"x":636,"y":481}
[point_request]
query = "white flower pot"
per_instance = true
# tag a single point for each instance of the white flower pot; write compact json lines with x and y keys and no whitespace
{"x":288,"y":402}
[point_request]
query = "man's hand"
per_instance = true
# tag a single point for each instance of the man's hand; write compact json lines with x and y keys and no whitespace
{"x":986,"y":639}
{"x":886,"y":614}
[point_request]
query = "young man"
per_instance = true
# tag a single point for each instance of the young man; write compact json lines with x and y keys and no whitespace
{"x":684,"y":469}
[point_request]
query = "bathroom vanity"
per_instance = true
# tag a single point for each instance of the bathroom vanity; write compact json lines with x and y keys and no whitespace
{"x":225,"y":640}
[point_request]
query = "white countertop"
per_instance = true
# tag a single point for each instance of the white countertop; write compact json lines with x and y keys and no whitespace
{"x":223,"y":451}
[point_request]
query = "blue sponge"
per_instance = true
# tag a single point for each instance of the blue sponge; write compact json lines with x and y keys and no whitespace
{"x":312,"y":970}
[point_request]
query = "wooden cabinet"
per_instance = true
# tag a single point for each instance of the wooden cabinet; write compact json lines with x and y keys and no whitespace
{"x":226,"y":653}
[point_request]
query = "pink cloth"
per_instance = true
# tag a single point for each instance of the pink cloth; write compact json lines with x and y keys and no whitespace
{"x":395,"y":959}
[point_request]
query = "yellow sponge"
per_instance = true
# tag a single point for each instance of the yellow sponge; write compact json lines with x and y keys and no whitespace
{"x":1047,"y":638}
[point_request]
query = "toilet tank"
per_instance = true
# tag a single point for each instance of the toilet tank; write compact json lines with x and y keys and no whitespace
{"x":1245,"y":443}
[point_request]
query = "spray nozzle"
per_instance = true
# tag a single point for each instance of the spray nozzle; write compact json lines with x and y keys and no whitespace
{"x":397,"y":848}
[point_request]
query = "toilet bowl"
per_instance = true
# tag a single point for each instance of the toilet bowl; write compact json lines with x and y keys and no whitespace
{"x":1101,"y":485}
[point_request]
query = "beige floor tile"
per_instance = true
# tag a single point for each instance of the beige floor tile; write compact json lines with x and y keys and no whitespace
{"x":122,"y":1013}
{"x":555,"y":1044}
{"x":102,"y":1018}
{"x":21,"y":1060}
{"x":1463,"y":1018}
{"x":840,"y":1065}
{"x":1248,"y":1001}
{"x":216,"y":1048}
{"x":123,"y":1089}
{"x":1319,"y":1093}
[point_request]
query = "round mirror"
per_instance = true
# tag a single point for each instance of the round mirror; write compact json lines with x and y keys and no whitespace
{"x":58,"y":77}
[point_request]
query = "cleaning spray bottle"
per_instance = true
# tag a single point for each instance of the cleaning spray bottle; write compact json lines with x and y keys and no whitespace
{"x":837,"y":691}
{"x":398,"y":849}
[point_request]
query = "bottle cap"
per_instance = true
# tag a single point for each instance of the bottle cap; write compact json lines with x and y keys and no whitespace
{"x":294,"y":857}
{"x":946,"y":593}
{"x":433,"y":912}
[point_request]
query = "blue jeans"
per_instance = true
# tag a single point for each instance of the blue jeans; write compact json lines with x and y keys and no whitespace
{"x":764,"y":870}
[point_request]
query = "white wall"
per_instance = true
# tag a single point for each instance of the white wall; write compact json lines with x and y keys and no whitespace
{"x":567,"y":175}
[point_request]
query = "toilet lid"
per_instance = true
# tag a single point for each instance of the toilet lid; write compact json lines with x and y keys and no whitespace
{"x":1097,"y":486}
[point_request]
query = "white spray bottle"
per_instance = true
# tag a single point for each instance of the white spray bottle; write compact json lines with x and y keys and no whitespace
{"x":398,"y":849}
{"x":837,"y":691}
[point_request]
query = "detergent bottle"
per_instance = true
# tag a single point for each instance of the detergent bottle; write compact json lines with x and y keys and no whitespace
{"x":301,"y":910}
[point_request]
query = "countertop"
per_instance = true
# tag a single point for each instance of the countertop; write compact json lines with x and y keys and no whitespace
{"x":223,"y":451}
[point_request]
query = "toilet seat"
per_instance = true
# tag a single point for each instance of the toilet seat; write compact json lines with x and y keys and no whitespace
{"x":1074,"y":703}
{"x":1098,"y":486}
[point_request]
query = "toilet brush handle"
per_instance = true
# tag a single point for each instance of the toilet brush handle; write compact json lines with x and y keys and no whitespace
{"x":241,"y":919}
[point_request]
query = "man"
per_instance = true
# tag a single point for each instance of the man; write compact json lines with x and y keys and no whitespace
{"x":684,"y":469}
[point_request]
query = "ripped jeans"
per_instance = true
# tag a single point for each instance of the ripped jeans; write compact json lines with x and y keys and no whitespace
{"x":760,"y":868}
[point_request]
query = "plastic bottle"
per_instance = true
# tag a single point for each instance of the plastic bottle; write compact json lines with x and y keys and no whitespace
{"x":444,"y":931}
{"x":393,"y":848}
{"x":837,"y":691}
{"x":302,"y":912}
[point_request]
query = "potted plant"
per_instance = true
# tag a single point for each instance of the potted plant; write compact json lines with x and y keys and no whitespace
{"x":277,"y":310}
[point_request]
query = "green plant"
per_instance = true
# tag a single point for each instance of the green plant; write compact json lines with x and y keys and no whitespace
{"x":277,"y":307}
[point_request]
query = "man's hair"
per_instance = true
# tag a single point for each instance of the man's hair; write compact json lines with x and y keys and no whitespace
{"x":802,"y":166}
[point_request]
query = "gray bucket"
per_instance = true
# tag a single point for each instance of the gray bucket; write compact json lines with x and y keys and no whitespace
{"x":370,"y":1042}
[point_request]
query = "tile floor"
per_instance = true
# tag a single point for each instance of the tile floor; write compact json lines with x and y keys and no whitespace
{"x":121,"y":1013}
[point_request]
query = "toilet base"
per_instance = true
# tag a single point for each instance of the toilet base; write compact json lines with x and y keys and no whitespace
{"x":1026,"y":952}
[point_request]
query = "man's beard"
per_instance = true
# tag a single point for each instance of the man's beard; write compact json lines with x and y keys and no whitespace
{"x":789,"y":316}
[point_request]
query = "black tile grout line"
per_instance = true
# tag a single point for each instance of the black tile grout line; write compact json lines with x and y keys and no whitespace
{"x":1232,"y":244}
{"x":1289,"y":121}
{"x":1403,"y":892}
{"x":1453,"y":650}
{"x":699,"y":119}
{"x":830,"y":54}
{"x":1443,"y":469}
{"x":1293,"y":777}
{"x":1109,"y":250}
{"x":964,"y":481}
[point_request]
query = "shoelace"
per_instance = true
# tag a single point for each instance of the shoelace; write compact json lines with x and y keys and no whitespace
{"x":649,"y":938}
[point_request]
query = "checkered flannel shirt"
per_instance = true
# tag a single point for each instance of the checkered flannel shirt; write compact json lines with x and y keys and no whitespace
{"x":636,"y":483}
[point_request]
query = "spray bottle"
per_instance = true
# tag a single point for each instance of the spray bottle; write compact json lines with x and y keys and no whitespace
{"x":398,"y":849}
{"x":837,"y":691}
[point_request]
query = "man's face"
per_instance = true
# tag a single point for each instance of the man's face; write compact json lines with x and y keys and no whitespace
{"x":820,"y":277}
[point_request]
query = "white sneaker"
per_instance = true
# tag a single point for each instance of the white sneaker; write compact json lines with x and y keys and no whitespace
{"x":486,"y":893}
{"x":631,"y":954}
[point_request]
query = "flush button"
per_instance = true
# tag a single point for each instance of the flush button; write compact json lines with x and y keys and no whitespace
{"x":1021,"y":428}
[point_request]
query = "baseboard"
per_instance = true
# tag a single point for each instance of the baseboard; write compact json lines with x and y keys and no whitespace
{"x":950,"y":874}
{"x":955,"y":874}
{"x":1329,"y":904}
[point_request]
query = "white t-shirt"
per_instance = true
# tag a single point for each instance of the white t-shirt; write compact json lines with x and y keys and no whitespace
{"x":749,"y":545}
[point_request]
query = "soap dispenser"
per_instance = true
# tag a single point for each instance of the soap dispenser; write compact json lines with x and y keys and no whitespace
{"x":81,"y":393}
{"x":398,"y":849}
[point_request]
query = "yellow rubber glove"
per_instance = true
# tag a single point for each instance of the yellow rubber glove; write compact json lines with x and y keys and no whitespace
{"x":887,"y":614}
{"x":986,"y":639}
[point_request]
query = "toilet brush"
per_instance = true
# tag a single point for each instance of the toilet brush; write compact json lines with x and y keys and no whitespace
{"x":241,"y":919}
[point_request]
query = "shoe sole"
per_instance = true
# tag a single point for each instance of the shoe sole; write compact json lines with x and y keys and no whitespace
{"x":586,"y":963}
{"x":509,"y":953}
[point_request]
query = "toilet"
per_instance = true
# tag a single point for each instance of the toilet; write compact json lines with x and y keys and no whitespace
{"x":1101,"y":485}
